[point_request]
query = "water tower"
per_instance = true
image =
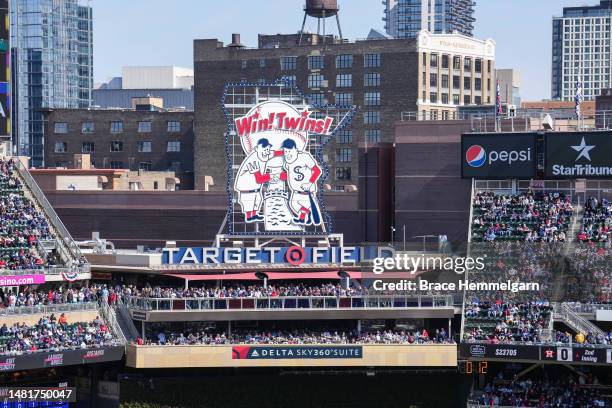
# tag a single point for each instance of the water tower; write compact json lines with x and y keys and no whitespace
{"x":321,"y":10}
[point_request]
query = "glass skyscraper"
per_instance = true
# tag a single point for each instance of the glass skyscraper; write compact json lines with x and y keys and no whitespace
{"x":52,"y":57}
{"x":581,"y":51}
{"x":405,"y":18}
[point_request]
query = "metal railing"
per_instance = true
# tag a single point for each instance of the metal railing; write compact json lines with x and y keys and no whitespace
{"x":289,"y":303}
{"x":108,"y":314}
{"x":63,"y":236}
{"x":574,"y":320}
{"x":45,"y":309}
{"x":588,"y":307}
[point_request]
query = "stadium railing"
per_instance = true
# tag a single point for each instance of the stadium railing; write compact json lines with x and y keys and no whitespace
{"x":289,"y":302}
{"x":46,"y":309}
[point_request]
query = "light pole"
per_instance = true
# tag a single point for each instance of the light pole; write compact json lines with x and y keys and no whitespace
{"x":404,"y":236}
{"x":392,"y":234}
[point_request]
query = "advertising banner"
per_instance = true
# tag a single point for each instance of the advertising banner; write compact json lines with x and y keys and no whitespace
{"x":498,"y":155}
{"x":500,"y":351}
{"x":19,"y":280}
{"x":295,"y":352}
{"x":578,"y":155}
{"x":557,"y":354}
{"x":60,"y":358}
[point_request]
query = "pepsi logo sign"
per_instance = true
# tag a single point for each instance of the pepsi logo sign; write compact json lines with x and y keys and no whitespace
{"x":475,"y":156}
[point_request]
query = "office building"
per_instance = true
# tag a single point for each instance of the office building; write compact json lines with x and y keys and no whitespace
{"x":52,"y":57}
{"x":429,"y":77}
{"x":509,"y":86}
{"x":173,"y":84}
{"x":405,"y":18}
{"x":581,"y":51}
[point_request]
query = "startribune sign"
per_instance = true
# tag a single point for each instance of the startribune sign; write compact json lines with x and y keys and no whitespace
{"x":579,"y":155}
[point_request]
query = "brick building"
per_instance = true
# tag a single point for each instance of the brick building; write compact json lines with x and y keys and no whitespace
{"x":122,"y":139}
{"x":431,"y":75}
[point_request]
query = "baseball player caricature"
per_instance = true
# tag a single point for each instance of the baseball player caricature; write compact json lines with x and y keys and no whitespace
{"x":250,"y":178}
{"x":302,"y":174}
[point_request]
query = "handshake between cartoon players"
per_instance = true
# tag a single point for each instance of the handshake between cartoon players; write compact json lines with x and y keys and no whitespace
{"x":300,"y":172}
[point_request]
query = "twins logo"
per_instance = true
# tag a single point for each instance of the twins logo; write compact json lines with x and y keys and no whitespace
{"x":475,"y":156}
{"x":277,"y":182}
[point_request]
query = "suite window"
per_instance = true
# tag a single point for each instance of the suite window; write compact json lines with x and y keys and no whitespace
{"x":315,"y":80}
{"x":174,"y":126}
{"x":344,"y":136}
{"x":372,"y":136}
{"x":288,"y":63}
{"x":144,"y":166}
{"x":144,"y":147}
{"x":116,"y":146}
{"x":371,"y":79}
{"x":61,"y":147}
{"x":344,"y":61}
{"x":174,"y":146}
{"x":116,"y":127}
{"x":87,"y":147}
{"x":144,"y":127}
{"x":344,"y":155}
{"x":371,"y":117}
{"x":371,"y":99}
{"x":316,"y":62}
{"x":344,"y":80}
{"x":344,"y":98}
{"x":87,"y":127}
{"x":116,"y":164}
{"x":61,"y":127}
{"x":371,"y":60}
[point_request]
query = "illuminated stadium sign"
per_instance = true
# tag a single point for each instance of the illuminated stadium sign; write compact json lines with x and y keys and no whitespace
{"x":295,"y":352}
{"x":498,"y":155}
{"x":579,"y":155}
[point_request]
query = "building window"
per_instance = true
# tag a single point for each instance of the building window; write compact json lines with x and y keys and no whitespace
{"x":116,"y":164}
{"x":371,"y":60}
{"x":343,"y":173}
{"x":456,"y":99}
{"x":445,"y":61}
{"x":344,"y":98}
{"x":290,"y":80}
{"x":262,"y":63}
{"x":433,"y":97}
{"x":344,"y":136}
{"x":316,"y":99}
{"x":444,"y":97}
{"x":244,"y":64}
{"x":344,"y":80}
{"x":478,"y":65}
{"x":477,"y":84}
{"x":489,"y":66}
{"x":174,"y":166}
{"x":433,"y":79}
{"x":174,"y":146}
{"x":467,"y":99}
{"x":467,"y":64}
{"x":467,"y":84}
{"x":116,"y":127}
{"x":344,"y":155}
{"x":371,"y":117}
{"x":444,"y":81}
{"x":371,"y":79}
{"x":144,"y":147}
{"x":116,"y":146}
{"x":87,"y":147}
{"x":433,"y":60}
{"x":372,"y":136}
{"x":456,"y":82}
{"x":174,"y":126}
{"x":371,"y":99}
{"x":288,"y":63}
{"x":316,"y":62}
{"x":144,"y":166}
{"x":315,"y":80}
{"x":344,"y":61}
{"x":144,"y":126}
{"x":61,"y":127}
{"x":61,"y":147}
{"x":433,"y":115}
{"x":87,"y":127}
{"x":457,"y":63}
{"x":478,"y":100}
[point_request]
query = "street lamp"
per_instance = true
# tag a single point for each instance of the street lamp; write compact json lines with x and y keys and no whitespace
{"x":392,"y":234}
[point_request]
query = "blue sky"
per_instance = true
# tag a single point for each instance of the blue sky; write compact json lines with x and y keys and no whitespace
{"x":148,"y":32}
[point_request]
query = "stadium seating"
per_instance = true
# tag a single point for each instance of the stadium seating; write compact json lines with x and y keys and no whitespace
{"x":21,"y":225}
{"x":523,"y":217}
{"x":596,"y":221}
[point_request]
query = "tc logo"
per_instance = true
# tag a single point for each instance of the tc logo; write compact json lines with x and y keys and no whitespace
{"x":475,"y":156}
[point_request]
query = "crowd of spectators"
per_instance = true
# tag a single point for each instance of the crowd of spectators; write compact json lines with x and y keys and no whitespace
{"x":596,"y":221}
{"x":203,"y":337}
{"x":580,"y":338}
{"x":589,"y":277}
{"x":545,"y":393}
{"x":29,"y":296}
{"x":526,"y":217}
{"x":53,"y":333}
{"x":21,"y":224}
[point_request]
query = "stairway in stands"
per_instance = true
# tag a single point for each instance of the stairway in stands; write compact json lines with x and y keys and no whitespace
{"x":125,"y":322}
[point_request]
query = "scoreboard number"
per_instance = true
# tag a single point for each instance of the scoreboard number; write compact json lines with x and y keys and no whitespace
{"x":564,"y":354}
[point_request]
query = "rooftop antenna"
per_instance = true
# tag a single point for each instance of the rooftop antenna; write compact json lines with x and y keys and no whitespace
{"x":321,"y":10}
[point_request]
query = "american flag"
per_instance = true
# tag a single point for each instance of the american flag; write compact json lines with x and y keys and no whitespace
{"x":578,"y":99}
{"x":498,"y":103}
